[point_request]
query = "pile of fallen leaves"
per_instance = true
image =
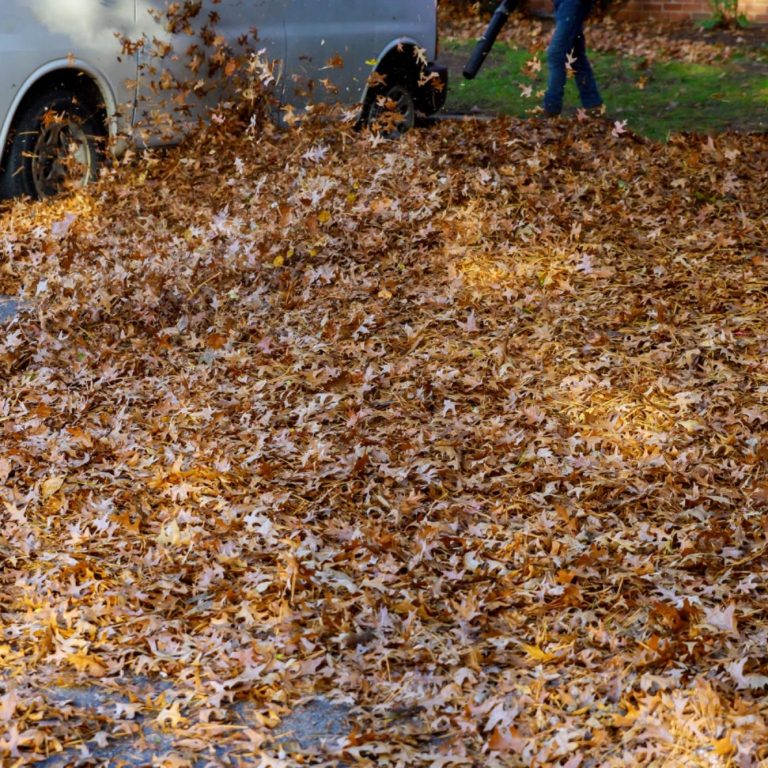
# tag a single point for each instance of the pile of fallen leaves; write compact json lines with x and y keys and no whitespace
{"x":468,"y":430}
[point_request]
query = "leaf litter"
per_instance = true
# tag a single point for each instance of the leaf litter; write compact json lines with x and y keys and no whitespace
{"x":465,"y":433}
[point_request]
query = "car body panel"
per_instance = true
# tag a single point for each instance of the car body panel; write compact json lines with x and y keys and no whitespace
{"x":326,"y":59}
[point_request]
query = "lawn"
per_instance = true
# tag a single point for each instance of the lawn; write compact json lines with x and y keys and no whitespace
{"x":656,"y":98}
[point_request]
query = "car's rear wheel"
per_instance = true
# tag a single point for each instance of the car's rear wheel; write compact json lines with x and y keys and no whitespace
{"x":392,"y":110}
{"x":57,"y":143}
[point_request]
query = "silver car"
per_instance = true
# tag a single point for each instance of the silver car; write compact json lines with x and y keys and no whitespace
{"x":76,"y":73}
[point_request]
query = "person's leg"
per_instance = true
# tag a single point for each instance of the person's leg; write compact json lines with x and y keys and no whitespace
{"x":585,"y":77}
{"x":568,"y":21}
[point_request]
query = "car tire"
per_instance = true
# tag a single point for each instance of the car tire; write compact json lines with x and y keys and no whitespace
{"x":57,"y":142}
{"x":392,"y":110}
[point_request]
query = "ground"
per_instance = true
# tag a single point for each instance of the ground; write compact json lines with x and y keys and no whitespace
{"x":317,"y":448}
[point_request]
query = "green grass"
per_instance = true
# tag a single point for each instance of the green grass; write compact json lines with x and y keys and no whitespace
{"x":655,"y":100}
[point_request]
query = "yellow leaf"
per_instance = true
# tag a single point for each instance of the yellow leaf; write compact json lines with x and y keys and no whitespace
{"x":51,"y":485}
{"x":90,"y":665}
{"x":278,"y":261}
{"x":384,"y":294}
{"x":626,"y":720}
{"x":324,"y":217}
{"x":171,"y":715}
{"x":724,"y":747}
{"x":124,"y":520}
{"x":173,"y":535}
{"x":172,"y":760}
{"x":535,"y":653}
{"x":371,"y":62}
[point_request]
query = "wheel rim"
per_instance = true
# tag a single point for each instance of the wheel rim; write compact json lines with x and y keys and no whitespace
{"x":62,"y":157}
{"x":397,"y":114}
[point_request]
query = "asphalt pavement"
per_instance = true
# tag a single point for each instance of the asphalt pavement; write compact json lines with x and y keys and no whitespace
{"x":9,"y":308}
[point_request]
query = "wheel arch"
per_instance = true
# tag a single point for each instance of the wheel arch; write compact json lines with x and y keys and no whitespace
{"x":399,"y":56}
{"x":70,"y":73}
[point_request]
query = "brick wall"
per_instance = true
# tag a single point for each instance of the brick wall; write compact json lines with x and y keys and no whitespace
{"x":678,"y":10}
{"x":672,"y":10}
{"x":756,"y":10}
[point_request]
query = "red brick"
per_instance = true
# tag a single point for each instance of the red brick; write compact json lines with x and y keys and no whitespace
{"x":755,"y":10}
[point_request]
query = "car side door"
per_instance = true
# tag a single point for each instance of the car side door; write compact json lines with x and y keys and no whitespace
{"x":329,"y":48}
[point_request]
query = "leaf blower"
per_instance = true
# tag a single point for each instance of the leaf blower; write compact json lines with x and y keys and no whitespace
{"x":485,"y":43}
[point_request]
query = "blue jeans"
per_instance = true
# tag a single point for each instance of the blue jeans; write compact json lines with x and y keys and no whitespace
{"x":568,"y":38}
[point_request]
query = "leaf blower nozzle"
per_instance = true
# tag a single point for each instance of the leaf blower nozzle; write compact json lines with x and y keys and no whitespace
{"x":485,"y":43}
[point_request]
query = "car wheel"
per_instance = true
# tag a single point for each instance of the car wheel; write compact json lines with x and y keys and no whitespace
{"x":57,"y":143}
{"x":392,"y":111}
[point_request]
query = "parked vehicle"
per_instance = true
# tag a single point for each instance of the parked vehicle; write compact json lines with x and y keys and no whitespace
{"x":75,"y":73}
